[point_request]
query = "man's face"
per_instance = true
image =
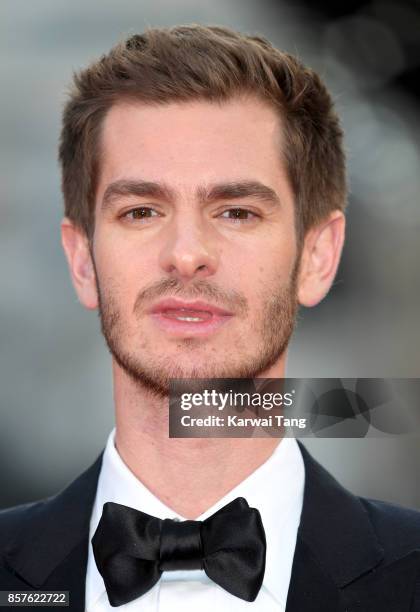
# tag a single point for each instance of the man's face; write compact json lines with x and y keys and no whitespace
{"x":193,"y":205}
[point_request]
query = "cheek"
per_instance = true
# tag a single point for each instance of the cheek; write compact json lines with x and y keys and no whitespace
{"x":274,"y":263}
{"x":118,"y":280}
{"x":123,"y":263}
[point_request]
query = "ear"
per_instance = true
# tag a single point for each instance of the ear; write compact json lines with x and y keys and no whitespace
{"x":82,"y":271}
{"x":320,"y":258}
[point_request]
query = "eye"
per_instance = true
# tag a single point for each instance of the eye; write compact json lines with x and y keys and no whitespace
{"x":141,"y":212}
{"x":239,"y":215}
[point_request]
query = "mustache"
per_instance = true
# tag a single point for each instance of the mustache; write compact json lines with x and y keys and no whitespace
{"x":171,"y":287}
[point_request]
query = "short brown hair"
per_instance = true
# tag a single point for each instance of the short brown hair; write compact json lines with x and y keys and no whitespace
{"x":212,"y":63}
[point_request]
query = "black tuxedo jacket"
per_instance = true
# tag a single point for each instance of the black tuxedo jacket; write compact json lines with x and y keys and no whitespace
{"x":352,"y":554}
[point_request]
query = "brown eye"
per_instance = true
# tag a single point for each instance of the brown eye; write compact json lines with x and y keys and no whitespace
{"x":239,"y":214}
{"x":141,"y":212}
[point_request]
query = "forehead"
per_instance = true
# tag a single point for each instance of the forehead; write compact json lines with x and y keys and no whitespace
{"x":195,"y":142}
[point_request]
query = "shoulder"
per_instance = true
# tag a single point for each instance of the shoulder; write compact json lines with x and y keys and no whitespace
{"x":14,"y":519}
{"x":397,"y":528}
{"x":378,"y":537}
{"x":54,"y":521}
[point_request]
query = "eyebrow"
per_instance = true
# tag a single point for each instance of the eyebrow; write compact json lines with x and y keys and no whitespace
{"x":233,"y":190}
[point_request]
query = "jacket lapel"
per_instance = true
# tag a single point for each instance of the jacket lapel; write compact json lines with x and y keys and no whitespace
{"x":336,"y":543}
{"x":52,"y":548}
{"x":310,"y":588}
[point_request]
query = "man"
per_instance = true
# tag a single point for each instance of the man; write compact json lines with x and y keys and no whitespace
{"x":204,"y":188}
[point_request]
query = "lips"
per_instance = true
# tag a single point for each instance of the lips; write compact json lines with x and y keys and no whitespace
{"x":185,"y":314}
{"x":183,"y":319}
{"x":188,"y":309}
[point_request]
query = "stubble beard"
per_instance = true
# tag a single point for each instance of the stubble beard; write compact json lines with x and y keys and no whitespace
{"x":153,"y":373}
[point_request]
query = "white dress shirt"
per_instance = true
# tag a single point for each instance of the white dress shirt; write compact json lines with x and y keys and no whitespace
{"x":275,"y":488}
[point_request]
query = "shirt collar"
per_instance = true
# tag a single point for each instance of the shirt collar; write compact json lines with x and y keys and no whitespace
{"x":275,"y":488}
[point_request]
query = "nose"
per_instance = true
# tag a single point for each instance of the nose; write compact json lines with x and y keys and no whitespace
{"x":188,"y":252}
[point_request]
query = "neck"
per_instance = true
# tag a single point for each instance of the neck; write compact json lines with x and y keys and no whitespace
{"x":189,"y":475}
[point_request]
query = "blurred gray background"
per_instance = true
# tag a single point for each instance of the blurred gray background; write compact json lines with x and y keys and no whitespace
{"x":56,"y":406}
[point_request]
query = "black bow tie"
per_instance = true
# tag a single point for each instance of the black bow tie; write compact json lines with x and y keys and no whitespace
{"x":132,"y":549}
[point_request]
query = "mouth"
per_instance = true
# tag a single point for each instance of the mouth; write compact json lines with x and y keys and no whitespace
{"x":188,"y":318}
